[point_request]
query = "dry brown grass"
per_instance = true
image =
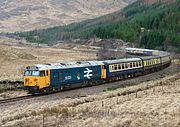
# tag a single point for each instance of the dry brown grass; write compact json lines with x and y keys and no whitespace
{"x":153,"y":104}
{"x":13,"y":59}
{"x":11,"y":94}
{"x":177,"y":61}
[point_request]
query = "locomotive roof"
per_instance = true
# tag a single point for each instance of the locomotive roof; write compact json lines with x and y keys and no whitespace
{"x":121,"y":60}
{"x":64,"y":65}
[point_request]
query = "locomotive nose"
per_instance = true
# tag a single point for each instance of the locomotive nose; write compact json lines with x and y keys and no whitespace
{"x":31,"y":81}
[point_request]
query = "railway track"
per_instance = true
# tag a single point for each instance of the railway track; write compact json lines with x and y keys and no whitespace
{"x":16,"y":99}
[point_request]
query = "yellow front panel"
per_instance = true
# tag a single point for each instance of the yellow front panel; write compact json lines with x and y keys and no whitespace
{"x":31,"y":80}
{"x":40,"y":81}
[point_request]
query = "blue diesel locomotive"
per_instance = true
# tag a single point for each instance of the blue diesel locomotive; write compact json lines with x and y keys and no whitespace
{"x":43,"y":78}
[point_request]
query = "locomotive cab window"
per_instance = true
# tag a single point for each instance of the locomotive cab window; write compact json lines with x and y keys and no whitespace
{"x":42,"y":73}
{"x":35,"y":73}
{"x":27,"y":73}
{"x":47,"y":73}
{"x":31,"y":73}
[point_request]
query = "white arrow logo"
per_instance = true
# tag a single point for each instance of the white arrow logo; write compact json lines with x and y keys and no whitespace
{"x":87,"y":73}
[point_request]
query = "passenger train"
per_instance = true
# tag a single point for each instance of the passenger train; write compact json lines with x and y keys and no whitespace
{"x":46,"y":78}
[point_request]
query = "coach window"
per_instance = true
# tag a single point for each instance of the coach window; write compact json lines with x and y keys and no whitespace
{"x":139,"y":63}
{"x":122,"y":66}
{"x":111,"y":67}
{"x":134,"y":65}
{"x":126,"y":65}
{"x":119,"y":66}
{"x":115,"y":67}
{"x":130,"y":65}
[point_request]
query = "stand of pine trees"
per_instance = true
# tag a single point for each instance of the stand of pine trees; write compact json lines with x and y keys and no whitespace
{"x":161,"y":23}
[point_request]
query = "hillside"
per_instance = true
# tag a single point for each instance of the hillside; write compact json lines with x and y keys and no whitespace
{"x":160,"y":21}
{"x":25,"y":15}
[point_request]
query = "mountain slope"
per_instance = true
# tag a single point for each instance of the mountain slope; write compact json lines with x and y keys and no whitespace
{"x":24,"y":15}
{"x":160,"y":22}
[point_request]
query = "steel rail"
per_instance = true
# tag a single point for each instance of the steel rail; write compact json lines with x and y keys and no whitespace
{"x":3,"y":101}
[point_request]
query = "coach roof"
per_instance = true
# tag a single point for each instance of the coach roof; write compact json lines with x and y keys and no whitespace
{"x":121,"y":60}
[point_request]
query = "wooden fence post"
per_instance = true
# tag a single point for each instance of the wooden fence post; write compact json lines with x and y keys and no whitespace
{"x":43,"y":120}
{"x":162,"y":89}
{"x":154,"y":89}
{"x":56,"y":120}
{"x":102,"y":103}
